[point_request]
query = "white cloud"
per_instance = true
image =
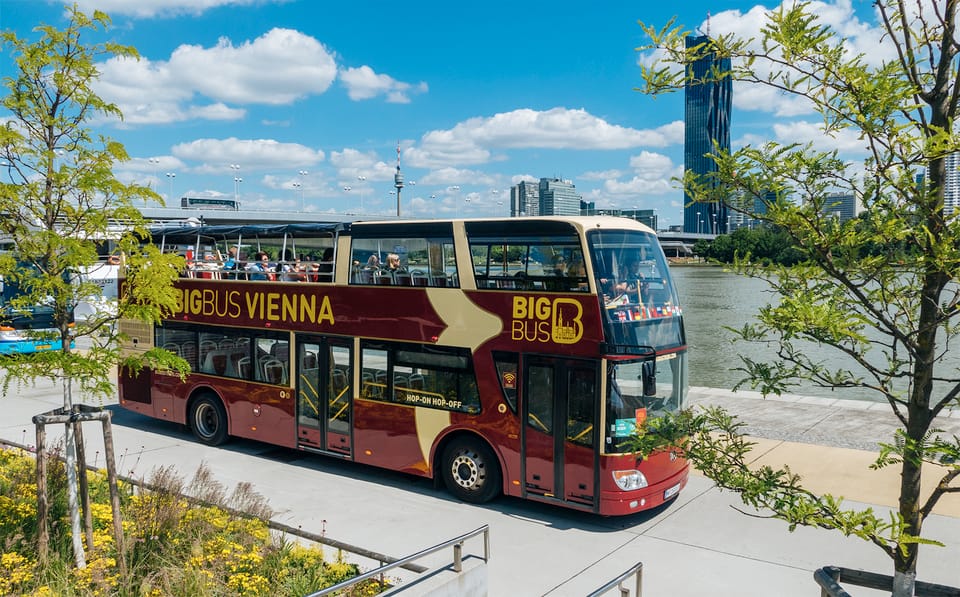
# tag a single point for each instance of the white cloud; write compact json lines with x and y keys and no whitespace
{"x":846,"y":141}
{"x":363,"y":83}
{"x":472,"y":141}
{"x":172,"y":91}
{"x":162,"y":8}
{"x":249,"y":73}
{"x":216,"y":155}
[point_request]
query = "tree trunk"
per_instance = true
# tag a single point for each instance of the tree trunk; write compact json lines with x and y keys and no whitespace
{"x":76,"y":529}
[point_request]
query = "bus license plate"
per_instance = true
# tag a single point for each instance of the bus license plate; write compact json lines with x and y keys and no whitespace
{"x":672,"y":491}
{"x":43,"y":346}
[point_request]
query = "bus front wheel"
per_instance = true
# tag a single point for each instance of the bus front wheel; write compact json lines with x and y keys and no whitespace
{"x":208,"y":420}
{"x":470,"y":470}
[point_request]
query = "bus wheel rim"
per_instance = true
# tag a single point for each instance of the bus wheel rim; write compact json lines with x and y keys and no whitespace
{"x":467,"y":471}
{"x":205,"y":420}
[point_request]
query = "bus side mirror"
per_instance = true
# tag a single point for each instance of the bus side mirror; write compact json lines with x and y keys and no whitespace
{"x":649,"y":378}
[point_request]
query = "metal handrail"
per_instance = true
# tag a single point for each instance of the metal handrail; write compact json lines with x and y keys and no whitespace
{"x":830,"y":577}
{"x":618,"y":582}
{"x":456,"y":543}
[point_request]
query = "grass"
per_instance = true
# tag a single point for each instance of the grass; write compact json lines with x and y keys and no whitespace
{"x":216,"y":543}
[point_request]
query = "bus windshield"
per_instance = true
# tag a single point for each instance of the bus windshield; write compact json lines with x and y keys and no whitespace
{"x":642,"y":313}
{"x":637,"y":390}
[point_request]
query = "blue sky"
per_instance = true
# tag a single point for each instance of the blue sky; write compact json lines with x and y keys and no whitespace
{"x":307,"y":100}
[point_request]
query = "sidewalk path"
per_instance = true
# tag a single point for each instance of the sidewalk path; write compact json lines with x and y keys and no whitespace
{"x":831,"y":443}
{"x":700,"y":544}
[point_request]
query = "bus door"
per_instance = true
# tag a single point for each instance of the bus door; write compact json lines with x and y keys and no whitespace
{"x":560,"y":451}
{"x":324,"y":394}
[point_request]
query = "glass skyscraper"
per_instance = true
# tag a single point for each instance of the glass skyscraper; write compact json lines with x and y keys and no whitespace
{"x":558,"y":198}
{"x":706,"y":122}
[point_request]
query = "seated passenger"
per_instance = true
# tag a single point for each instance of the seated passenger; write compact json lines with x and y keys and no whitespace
{"x":393,"y":264}
{"x":259,"y":267}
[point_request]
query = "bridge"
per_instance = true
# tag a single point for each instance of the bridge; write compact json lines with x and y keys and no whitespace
{"x":680,"y":244}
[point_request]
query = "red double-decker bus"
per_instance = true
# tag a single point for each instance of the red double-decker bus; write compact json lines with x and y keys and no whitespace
{"x":502,"y":356}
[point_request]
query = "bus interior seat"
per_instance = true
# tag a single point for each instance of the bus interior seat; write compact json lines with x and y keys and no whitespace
{"x":272,"y":371}
{"x":172,"y":347}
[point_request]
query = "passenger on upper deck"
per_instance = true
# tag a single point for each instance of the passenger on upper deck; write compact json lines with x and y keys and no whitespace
{"x":373,"y":262}
{"x":231,"y":264}
{"x":633,"y":279}
{"x":259,"y":267}
{"x":393,"y":264}
{"x":324,"y":270}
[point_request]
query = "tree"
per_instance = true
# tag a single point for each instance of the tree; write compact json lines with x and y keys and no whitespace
{"x":59,"y":200}
{"x":896,"y":315}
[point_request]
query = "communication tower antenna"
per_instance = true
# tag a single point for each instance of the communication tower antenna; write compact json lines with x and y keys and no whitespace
{"x":708,"y":23}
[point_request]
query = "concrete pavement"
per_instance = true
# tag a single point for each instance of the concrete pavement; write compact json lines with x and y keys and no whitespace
{"x":701,"y":544}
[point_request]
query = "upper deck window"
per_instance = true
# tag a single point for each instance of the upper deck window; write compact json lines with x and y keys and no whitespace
{"x":527,"y":255}
{"x":403,"y":255}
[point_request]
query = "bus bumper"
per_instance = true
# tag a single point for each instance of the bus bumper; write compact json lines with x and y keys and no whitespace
{"x":619,"y":503}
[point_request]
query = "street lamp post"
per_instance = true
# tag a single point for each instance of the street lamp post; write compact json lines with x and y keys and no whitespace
{"x":714,"y":229}
{"x":302,"y":174}
{"x":699,"y":219}
{"x":456,"y":200}
{"x":236,"y":188}
{"x":171,"y":176}
{"x":361,"y":179}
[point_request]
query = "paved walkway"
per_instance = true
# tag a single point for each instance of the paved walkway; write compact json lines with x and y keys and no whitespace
{"x":831,"y":443}
{"x":700,"y":544}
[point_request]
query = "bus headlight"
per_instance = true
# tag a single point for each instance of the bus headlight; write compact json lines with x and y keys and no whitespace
{"x":628,"y":480}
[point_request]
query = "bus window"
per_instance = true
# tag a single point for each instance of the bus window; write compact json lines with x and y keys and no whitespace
{"x":581,"y":396}
{"x":403,"y":261}
{"x":527,"y":258}
{"x":540,"y":392}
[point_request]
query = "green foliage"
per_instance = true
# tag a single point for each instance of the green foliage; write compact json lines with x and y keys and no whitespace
{"x":879,"y":290}
{"x":60,"y":200}
{"x":173,"y":546}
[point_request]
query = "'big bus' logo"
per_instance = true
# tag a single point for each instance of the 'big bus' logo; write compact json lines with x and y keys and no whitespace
{"x":542,"y":319}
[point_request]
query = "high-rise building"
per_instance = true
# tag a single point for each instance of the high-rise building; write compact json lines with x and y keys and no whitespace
{"x":842,"y":206}
{"x":558,"y":198}
{"x":951,"y":186}
{"x":525,"y":199}
{"x":706,"y":125}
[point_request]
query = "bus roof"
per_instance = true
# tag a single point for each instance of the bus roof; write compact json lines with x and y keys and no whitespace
{"x":187,"y":232}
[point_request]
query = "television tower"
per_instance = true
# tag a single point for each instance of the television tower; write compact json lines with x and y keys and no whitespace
{"x":398,"y":179}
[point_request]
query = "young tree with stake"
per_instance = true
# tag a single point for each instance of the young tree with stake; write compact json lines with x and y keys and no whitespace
{"x":892,"y":313}
{"x":59,"y":198}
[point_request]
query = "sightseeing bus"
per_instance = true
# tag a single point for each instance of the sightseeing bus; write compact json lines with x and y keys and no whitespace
{"x":496,"y":356}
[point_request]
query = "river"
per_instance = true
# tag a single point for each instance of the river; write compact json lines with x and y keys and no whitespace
{"x":714,"y":299}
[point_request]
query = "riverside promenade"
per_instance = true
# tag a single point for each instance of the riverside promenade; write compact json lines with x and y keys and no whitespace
{"x":700,"y":544}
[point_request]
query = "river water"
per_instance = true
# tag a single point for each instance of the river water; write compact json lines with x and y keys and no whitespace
{"x":714,"y":299}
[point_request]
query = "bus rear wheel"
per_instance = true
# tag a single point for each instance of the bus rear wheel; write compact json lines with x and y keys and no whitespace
{"x":208,"y":420}
{"x":470,"y":471}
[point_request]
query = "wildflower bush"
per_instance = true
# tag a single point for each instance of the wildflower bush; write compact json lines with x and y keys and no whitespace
{"x":172,"y":545}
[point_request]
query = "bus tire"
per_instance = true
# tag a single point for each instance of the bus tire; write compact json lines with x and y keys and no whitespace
{"x":471,"y":471}
{"x":208,"y":420}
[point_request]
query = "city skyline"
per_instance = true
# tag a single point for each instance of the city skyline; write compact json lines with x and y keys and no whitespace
{"x":289,"y":105}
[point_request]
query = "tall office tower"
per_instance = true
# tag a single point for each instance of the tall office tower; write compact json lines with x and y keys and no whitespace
{"x":951,"y":190}
{"x":842,"y":206}
{"x":706,"y":121}
{"x":558,"y":198}
{"x":525,"y":199}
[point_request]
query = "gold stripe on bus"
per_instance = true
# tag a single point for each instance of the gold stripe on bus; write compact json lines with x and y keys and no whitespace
{"x":466,"y":324}
{"x":430,"y":423}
